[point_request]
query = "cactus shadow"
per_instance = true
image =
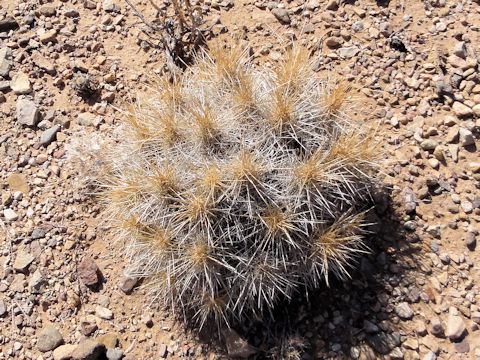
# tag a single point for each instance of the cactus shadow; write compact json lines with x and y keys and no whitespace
{"x":350,"y":318}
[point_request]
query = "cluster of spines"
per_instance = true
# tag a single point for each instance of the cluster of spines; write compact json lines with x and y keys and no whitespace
{"x":237,"y":186}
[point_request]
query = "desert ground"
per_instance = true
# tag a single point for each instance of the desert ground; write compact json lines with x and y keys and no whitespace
{"x":415,"y":70}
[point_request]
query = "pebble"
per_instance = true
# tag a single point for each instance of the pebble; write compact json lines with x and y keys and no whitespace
{"x":22,"y":261}
{"x":3,"y":308}
{"x":5,"y":61}
{"x":114,"y":354}
{"x":461,"y":110}
{"x":20,"y":84}
{"x":88,"y":272}
{"x":48,"y":36}
{"x":429,"y":144}
{"x":103,"y":312}
{"x":127,"y":284}
{"x":10,"y":215}
{"x":404,"y":311}
{"x":333,"y":42}
{"x":8,"y":23}
{"x":64,"y":352}
{"x":455,"y":327}
{"x":49,"y":338}
{"x":281,"y":15}
{"x":436,"y":327}
{"x":88,"y":350}
{"x":430,"y":356}
{"x":27,"y":112}
{"x":348,"y":52}
{"x":49,"y":135}
{"x":466,"y":137}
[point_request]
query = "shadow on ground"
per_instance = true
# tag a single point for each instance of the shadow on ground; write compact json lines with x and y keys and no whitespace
{"x":353,"y":319}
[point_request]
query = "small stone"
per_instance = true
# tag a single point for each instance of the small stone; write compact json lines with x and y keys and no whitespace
{"x":88,"y":327}
{"x":333,"y":42}
{"x":8,"y":23}
{"x":127,"y":284}
{"x":48,"y":339}
{"x":49,"y":135}
{"x":404,"y":311}
{"x":467,"y":206}
{"x":43,"y":63}
{"x":114,"y":354}
{"x":429,"y":144}
{"x":5,"y":61}
{"x":358,"y":26}
{"x":439,"y":153}
{"x":384,"y":343}
{"x":370,"y":327}
{"x":10,"y":215}
{"x":88,"y":350}
{"x":36,"y":281}
{"x":86,"y":118}
{"x":452,"y":135}
{"x":476,"y":317}
{"x":281,"y":15}
{"x":88,"y":272}
{"x":22,"y":261}
{"x":440,"y":26}
{"x":332,"y":5}
{"x":27,"y":112}
{"x":470,"y":241}
{"x":455,"y":327}
{"x":460,"y":50}
{"x":3,"y":308}
{"x":461,"y":110}
{"x":20,"y":84}
{"x":64,"y":352}
{"x":103,"y":313}
{"x":434,"y":163}
{"x":466,"y":137}
{"x":48,"y":36}
{"x":348,"y":52}
{"x":47,"y":10}
{"x":110,"y":6}
{"x":430,"y":356}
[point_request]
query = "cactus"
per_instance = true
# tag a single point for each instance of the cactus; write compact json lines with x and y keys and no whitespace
{"x":236,"y":186}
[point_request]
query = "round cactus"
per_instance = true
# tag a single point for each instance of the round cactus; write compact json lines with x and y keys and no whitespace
{"x":236,"y":185}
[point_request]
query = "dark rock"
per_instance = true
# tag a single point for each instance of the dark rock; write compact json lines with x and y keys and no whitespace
{"x":384,"y":343}
{"x":88,"y":272}
{"x":281,"y":15}
{"x":471,"y":241}
{"x":7,"y":24}
{"x":127,"y":284}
